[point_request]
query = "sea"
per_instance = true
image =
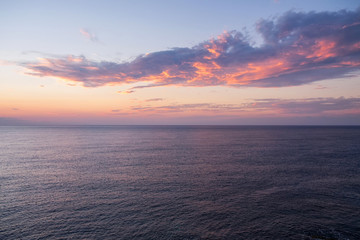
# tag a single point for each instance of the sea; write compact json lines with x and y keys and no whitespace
{"x":179,"y":182}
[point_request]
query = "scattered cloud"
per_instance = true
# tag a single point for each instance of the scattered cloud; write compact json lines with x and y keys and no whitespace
{"x":126,"y":92}
{"x":308,"y":106}
{"x":320,"y":87}
{"x":298,"y":48}
{"x":89,"y":35}
{"x":154,"y":100}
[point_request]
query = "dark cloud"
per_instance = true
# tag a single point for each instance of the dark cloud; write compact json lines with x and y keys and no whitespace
{"x":298,"y":48}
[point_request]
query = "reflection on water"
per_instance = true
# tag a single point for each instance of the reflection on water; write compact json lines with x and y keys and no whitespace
{"x":180,"y":182}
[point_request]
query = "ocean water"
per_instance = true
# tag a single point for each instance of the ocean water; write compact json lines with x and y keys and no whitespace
{"x":179,"y":182}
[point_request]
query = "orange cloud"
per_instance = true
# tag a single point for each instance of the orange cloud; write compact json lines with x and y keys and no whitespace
{"x":298,"y":48}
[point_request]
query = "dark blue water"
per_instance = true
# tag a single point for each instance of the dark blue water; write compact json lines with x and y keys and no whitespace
{"x":180,"y":182}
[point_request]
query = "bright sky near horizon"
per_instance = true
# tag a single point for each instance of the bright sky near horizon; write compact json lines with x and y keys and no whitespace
{"x":180,"y":62}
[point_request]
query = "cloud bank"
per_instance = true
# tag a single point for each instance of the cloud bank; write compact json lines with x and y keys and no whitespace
{"x":296,"y":107}
{"x":298,"y":48}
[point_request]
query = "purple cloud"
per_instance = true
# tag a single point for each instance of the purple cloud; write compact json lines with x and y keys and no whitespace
{"x":298,"y":48}
{"x":307,"y":106}
{"x":310,"y":105}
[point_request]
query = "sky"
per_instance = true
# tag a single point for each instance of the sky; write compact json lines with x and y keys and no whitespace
{"x":259,"y":62}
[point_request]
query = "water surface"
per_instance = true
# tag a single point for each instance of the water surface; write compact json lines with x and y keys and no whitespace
{"x":179,"y":182}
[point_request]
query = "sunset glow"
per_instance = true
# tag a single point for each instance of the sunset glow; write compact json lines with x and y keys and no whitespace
{"x":292,"y":62}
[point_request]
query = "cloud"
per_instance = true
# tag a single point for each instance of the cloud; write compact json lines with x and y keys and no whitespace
{"x":310,"y":105}
{"x":154,"y":100}
{"x":126,"y":92}
{"x":294,"y":107}
{"x":89,"y":35}
{"x":320,"y":87}
{"x":298,"y":48}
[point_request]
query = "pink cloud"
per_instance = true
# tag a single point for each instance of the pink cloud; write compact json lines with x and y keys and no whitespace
{"x":294,"y":107}
{"x":89,"y":35}
{"x":298,"y":48}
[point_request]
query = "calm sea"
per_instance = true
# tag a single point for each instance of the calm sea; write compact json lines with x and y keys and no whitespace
{"x":179,"y":182}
